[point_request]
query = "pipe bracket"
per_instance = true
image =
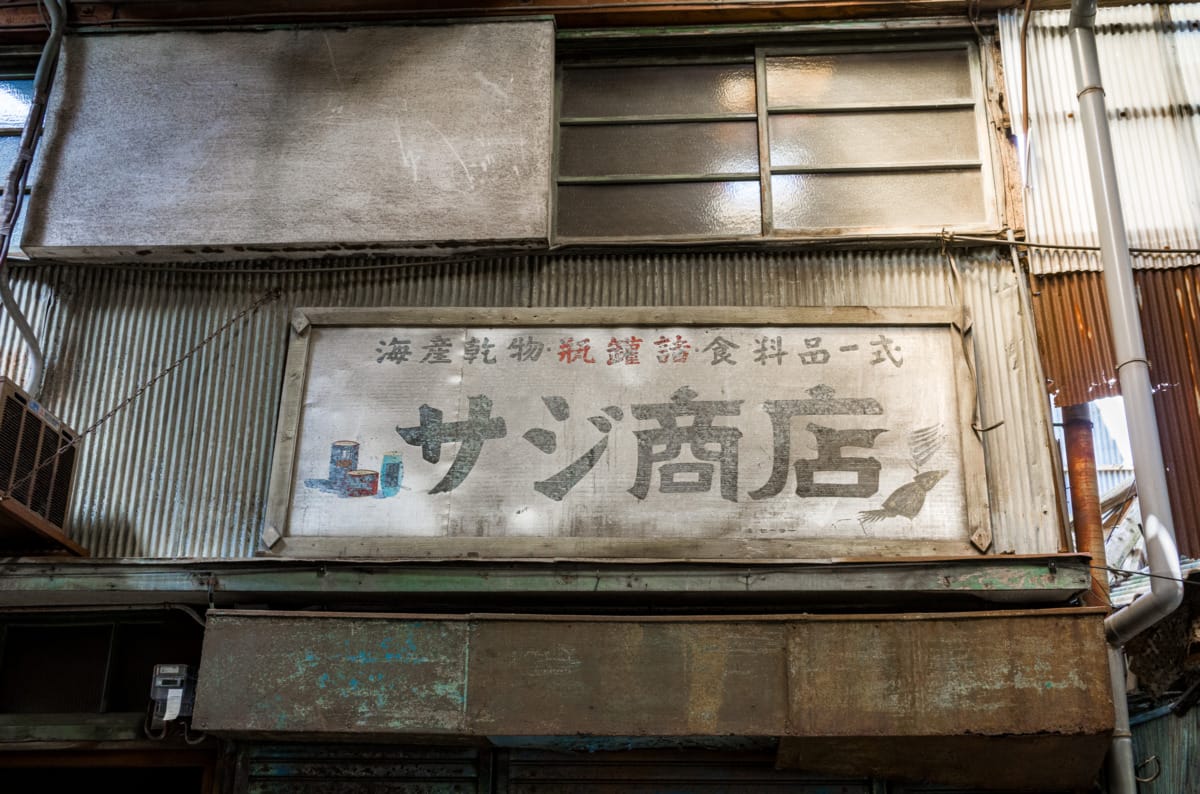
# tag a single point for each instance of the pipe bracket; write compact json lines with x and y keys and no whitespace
{"x":1129,"y":361}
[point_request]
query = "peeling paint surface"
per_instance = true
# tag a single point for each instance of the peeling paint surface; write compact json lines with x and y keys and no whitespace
{"x":990,"y":674}
{"x":369,"y":675}
{"x":953,"y":676}
{"x":627,"y":678}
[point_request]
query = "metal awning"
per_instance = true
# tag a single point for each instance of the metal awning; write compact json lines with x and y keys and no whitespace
{"x":1001,"y":699}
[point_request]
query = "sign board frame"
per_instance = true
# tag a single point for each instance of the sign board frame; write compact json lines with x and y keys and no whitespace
{"x":974,"y":539}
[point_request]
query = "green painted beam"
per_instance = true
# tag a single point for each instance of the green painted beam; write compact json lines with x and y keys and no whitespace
{"x":1050,"y":579}
{"x":119,"y":726}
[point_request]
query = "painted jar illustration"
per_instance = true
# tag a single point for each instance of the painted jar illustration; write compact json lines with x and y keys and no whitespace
{"x":362,"y":482}
{"x":391,"y":474}
{"x":343,"y":458}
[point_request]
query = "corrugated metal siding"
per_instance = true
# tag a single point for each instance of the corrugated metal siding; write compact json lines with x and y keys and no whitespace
{"x":1150,"y":60}
{"x":1011,"y":393}
{"x":1070,"y":310}
{"x":1173,"y":741}
{"x":183,"y":471}
{"x":1071,"y":313}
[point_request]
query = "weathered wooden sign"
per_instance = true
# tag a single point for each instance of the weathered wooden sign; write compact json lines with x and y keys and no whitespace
{"x":585,"y":433}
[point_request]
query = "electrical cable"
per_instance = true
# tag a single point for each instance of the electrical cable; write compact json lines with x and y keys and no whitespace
{"x":1146,"y":574}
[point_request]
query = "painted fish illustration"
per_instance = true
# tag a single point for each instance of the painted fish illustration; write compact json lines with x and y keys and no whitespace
{"x":907,"y":500}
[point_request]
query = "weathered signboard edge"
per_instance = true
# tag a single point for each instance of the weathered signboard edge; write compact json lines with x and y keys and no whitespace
{"x":629,"y":316}
{"x":275,"y":540}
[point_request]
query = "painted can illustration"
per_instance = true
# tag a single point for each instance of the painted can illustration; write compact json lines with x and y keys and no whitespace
{"x":343,"y":458}
{"x":391,"y":474}
{"x":362,"y":482}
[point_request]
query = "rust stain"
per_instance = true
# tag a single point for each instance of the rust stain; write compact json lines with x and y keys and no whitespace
{"x":1080,"y":365}
{"x":941,"y":681}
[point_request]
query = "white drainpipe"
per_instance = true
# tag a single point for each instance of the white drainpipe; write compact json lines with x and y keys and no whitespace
{"x":1133,"y":370}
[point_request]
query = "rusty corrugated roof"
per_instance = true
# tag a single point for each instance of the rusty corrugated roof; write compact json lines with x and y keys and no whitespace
{"x":1070,"y":311}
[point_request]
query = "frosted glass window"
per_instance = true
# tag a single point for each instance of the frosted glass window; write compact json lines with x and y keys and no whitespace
{"x":726,"y":147}
{"x":856,"y":139}
{"x":675,"y":89}
{"x":847,"y":139}
{"x":875,"y":201}
{"x":697,"y":209}
{"x":871,"y":78}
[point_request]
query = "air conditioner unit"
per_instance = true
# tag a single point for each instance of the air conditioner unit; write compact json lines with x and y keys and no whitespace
{"x":35,"y":481}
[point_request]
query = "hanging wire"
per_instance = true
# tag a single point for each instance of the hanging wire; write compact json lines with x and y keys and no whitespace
{"x":942,"y":239}
{"x":1194,"y":583}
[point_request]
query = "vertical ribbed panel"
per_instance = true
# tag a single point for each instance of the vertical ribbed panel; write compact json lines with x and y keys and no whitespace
{"x":1171,"y":307}
{"x":1071,"y":313}
{"x":1073,"y":328}
{"x":183,"y":471}
{"x":1014,"y":414}
{"x":1150,"y":62}
{"x":1172,"y":740}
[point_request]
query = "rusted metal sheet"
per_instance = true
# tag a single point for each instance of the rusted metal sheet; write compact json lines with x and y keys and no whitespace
{"x":1073,"y":331}
{"x":179,"y":474}
{"x":930,"y":701}
{"x":354,"y":674}
{"x":840,"y":683}
{"x":1086,"y":515}
{"x":1148,"y":55}
{"x":628,"y":678}
{"x":946,"y":675}
{"x":1071,"y":314}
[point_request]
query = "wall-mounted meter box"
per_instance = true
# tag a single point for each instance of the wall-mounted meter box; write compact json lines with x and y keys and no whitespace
{"x":173,"y":692}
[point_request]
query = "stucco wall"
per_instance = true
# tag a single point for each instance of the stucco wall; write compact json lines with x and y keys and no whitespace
{"x":218,"y":145}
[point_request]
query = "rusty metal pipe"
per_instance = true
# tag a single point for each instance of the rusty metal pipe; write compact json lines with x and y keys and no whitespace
{"x":1085,"y":496}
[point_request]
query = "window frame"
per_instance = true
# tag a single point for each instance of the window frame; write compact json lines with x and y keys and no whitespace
{"x":18,"y":64}
{"x":986,"y":164}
